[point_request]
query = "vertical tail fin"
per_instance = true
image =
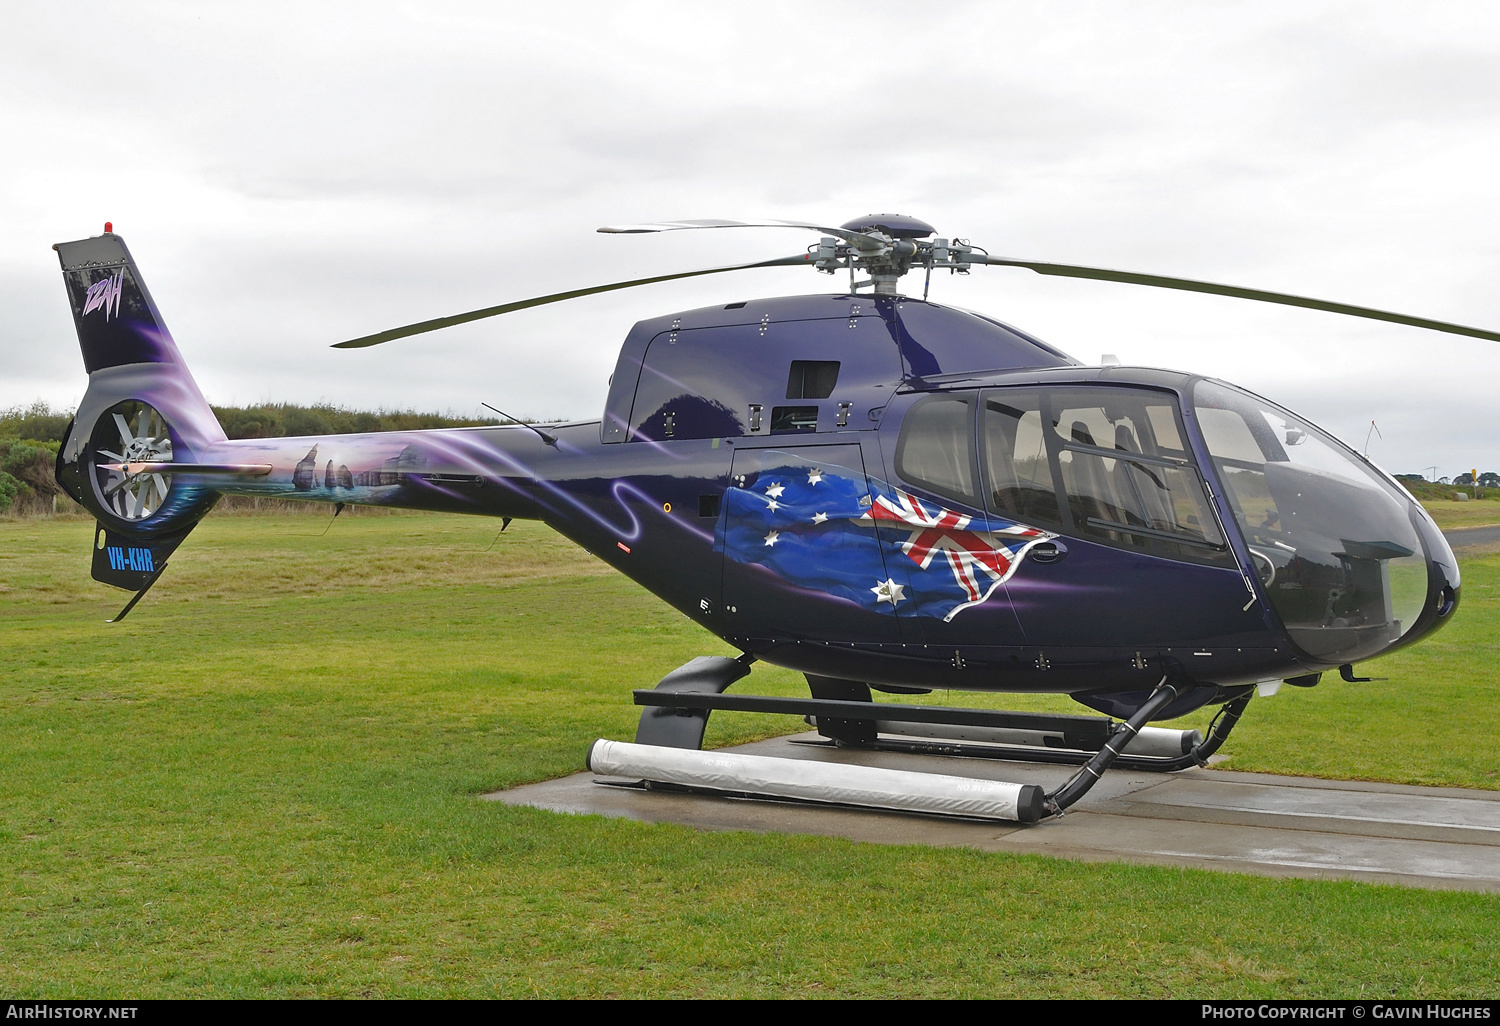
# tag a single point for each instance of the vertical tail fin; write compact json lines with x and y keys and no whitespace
{"x":142,"y":409}
{"x":127,"y":349}
{"x":116,"y":319}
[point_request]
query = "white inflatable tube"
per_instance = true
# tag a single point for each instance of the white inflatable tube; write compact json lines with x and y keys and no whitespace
{"x":866,"y":786}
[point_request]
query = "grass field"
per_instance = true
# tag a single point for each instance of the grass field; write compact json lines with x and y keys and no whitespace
{"x":1475,"y":513}
{"x":264,"y":783}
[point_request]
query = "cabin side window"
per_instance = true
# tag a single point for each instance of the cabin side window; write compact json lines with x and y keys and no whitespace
{"x":1106,"y":464}
{"x":936,"y":447}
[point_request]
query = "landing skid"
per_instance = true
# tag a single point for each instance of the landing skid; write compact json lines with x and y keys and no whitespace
{"x":1004,"y":753}
{"x":676,"y":713}
{"x":761,"y":798}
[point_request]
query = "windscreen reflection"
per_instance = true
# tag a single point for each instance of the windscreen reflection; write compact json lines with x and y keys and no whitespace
{"x":1332,"y":541}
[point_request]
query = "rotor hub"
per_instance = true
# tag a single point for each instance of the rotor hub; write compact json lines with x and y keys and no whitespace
{"x":888,"y":246}
{"x":896,"y":226}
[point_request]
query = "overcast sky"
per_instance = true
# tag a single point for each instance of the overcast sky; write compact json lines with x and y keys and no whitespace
{"x":288,"y":176}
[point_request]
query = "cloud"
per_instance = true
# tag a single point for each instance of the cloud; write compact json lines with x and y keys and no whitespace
{"x":289,"y":176}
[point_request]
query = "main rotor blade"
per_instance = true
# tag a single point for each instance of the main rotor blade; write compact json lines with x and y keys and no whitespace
{"x":1189,"y":285}
{"x":556,"y":297}
{"x":858,"y":240}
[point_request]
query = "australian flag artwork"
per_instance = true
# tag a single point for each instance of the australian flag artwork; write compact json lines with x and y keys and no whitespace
{"x":825,"y":529}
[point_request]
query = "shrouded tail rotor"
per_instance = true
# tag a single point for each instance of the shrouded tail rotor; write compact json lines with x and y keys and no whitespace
{"x":129,"y":433}
{"x":125,"y":478}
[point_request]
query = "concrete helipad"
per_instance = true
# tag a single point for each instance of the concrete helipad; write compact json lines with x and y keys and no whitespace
{"x":1471,"y":541}
{"x":1242,"y":822}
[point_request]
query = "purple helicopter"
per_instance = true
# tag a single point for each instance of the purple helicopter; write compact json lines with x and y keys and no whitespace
{"x":875,"y":490}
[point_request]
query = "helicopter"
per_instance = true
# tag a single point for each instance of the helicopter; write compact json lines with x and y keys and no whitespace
{"x":878,"y":491}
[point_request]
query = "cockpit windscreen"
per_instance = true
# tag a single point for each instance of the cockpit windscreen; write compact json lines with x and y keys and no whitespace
{"x":1332,"y":541}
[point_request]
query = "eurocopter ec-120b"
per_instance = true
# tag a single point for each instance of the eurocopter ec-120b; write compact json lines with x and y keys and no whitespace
{"x":874,"y":490}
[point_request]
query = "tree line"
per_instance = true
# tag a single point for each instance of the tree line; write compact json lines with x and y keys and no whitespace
{"x":30,"y":437}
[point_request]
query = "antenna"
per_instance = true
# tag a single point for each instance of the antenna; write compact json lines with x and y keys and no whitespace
{"x":545,"y":436}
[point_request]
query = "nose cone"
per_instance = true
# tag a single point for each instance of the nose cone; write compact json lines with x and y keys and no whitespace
{"x":1443,"y":580}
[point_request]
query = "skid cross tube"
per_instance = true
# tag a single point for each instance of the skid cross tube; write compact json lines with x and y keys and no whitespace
{"x":1089,"y":775}
{"x":1023,"y":753}
{"x":1228,"y":715}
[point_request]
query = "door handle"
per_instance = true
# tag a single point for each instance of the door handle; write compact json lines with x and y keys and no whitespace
{"x":1048,"y":552}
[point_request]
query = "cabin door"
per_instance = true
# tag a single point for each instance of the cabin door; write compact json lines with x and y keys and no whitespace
{"x":1139,"y":558}
{"x":801,"y":556}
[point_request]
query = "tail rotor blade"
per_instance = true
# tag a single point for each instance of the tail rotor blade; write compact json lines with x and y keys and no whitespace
{"x":1259,"y":295}
{"x":556,"y":297}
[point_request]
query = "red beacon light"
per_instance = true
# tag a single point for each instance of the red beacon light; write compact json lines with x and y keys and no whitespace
{"x":109,"y":227}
